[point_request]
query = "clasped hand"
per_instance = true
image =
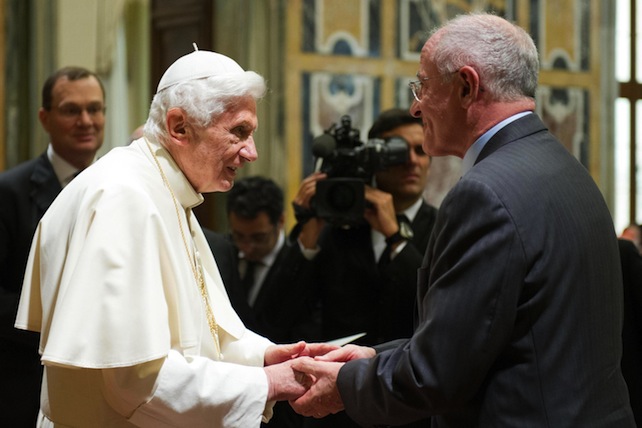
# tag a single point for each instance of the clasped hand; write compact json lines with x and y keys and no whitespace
{"x":318,"y":374}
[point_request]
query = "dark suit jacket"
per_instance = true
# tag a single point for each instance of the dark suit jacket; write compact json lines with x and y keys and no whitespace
{"x":632,"y":328}
{"x":225,"y":256}
{"x":275,"y":313}
{"x":520,"y":303}
{"x":26,"y":192}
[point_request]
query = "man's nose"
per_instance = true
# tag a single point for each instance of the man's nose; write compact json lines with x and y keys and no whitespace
{"x":413,"y":157}
{"x":84,"y":118}
{"x":415,"y":111}
{"x":248,"y":151}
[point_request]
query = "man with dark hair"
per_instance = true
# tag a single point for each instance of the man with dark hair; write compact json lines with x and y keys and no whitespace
{"x":268,"y":266}
{"x":72,"y":113}
{"x":365,"y":276}
{"x":267,"y":263}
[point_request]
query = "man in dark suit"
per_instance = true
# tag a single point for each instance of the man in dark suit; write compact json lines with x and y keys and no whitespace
{"x":266,"y":263}
{"x":72,"y":113}
{"x":267,"y":266}
{"x":632,"y":329}
{"x":520,"y":290}
{"x":365,"y":276}
{"x":225,"y":255}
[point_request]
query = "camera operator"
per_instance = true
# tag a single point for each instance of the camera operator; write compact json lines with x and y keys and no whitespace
{"x":364,"y":276}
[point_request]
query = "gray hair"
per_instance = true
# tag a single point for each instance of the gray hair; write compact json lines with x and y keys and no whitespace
{"x":203,"y":100}
{"x":501,"y":52}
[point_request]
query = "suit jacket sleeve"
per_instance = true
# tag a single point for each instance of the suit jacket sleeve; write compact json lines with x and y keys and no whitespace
{"x":451,"y":351}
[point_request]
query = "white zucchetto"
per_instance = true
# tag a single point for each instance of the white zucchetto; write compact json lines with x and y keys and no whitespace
{"x":198,"y":65}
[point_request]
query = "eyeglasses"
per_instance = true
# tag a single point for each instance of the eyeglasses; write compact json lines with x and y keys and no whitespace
{"x":416,"y":85}
{"x":72,"y":111}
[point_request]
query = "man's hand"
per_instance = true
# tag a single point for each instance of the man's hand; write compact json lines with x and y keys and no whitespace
{"x":310,"y":231}
{"x":308,"y":189}
{"x":323,"y":396}
{"x":347,"y":353}
{"x":381,"y":214}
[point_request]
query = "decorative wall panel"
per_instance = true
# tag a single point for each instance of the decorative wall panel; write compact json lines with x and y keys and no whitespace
{"x":356,"y":57}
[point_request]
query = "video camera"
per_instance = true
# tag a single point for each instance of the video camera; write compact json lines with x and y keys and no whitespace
{"x":350,"y":164}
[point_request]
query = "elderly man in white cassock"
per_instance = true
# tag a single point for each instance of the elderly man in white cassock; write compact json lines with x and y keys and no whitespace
{"x":136,"y":327}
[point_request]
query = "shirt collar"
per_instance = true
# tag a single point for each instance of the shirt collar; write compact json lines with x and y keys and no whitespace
{"x":185,"y":194}
{"x":412,"y":210}
{"x":473,"y":151}
{"x":64,"y":170}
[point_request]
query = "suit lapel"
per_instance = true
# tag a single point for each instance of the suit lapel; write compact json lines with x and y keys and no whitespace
{"x":522,"y":127}
{"x":44,"y":186}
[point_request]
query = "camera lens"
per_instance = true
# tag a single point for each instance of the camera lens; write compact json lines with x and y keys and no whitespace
{"x":341,"y":200}
{"x":341,"y":197}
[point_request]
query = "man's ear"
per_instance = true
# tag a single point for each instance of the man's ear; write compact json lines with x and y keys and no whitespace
{"x":469,"y":85}
{"x":43,"y":117}
{"x":177,"y":126}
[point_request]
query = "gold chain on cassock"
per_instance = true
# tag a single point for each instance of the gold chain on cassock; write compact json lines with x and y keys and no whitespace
{"x":196,"y":266}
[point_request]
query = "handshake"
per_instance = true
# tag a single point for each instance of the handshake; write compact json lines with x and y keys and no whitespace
{"x":305,"y":374}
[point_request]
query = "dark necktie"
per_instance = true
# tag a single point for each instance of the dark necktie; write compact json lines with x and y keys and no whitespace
{"x":248,"y":278}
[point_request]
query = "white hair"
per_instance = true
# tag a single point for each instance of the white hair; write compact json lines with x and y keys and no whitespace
{"x":203,"y":100}
{"x":501,"y":52}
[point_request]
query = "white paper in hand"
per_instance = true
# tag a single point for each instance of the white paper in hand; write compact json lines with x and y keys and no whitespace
{"x":345,"y":340}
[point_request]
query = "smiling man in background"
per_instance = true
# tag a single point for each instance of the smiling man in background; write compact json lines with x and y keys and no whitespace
{"x":72,"y":113}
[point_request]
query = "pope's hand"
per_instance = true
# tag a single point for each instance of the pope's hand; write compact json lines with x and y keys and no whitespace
{"x":284,"y":382}
{"x":275,"y":354}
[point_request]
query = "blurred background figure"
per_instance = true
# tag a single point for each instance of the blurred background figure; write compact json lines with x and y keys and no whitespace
{"x":73,"y":115}
{"x":268,"y":265}
{"x":267,"y":268}
{"x":633,"y":233}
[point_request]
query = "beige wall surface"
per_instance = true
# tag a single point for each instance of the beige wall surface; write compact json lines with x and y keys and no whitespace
{"x":76,"y":33}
